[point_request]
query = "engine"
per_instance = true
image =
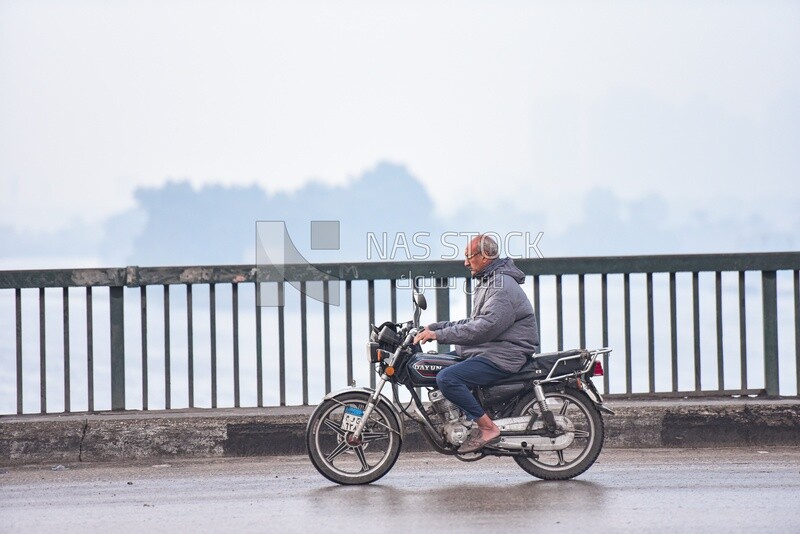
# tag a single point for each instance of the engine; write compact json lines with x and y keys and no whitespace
{"x":454,"y":426}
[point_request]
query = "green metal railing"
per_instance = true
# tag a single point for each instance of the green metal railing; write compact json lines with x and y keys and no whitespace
{"x":571,"y":279}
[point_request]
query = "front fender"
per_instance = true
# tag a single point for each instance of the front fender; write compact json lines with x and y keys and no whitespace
{"x":369,"y":392}
{"x":333,"y":394}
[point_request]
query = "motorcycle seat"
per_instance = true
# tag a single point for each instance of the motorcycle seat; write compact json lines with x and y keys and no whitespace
{"x":539,"y":365}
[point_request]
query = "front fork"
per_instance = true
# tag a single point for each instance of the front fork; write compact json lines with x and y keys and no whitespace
{"x":355,"y":437}
{"x":373,"y":401}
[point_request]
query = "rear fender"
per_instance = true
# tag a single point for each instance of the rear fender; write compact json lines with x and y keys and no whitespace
{"x":588,"y":389}
{"x":595,"y":396}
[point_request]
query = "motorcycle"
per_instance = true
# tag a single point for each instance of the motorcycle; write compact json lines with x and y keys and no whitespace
{"x":549,"y":413}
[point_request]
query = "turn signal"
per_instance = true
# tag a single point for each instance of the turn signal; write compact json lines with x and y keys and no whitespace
{"x":598,"y":369}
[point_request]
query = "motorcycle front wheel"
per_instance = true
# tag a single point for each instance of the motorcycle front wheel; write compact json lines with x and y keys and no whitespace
{"x":340,"y":459}
{"x":588,"y":436}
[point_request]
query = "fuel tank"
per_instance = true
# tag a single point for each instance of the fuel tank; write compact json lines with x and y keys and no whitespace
{"x":423,"y":368}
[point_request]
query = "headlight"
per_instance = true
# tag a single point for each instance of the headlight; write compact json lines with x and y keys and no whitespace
{"x":376,"y":354}
{"x":372,"y":352}
{"x":388,"y":336}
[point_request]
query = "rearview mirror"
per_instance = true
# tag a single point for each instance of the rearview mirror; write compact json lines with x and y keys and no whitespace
{"x":419,"y":300}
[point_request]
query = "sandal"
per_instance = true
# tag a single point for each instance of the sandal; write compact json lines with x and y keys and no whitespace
{"x":475,"y":443}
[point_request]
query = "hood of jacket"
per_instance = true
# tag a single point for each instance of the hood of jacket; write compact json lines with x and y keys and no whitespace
{"x":500,"y":266}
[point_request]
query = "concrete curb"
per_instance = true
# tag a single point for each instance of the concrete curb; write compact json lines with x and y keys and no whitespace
{"x":201,"y":433}
{"x":704,"y":424}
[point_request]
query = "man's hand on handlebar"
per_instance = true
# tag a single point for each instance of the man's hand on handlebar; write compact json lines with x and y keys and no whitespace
{"x":425,"y":336}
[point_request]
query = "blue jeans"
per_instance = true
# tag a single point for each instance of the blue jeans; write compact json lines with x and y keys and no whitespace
{"x":456,"y":381}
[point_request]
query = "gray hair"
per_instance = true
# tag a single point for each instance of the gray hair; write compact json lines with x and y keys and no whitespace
{"x":487,"y":246}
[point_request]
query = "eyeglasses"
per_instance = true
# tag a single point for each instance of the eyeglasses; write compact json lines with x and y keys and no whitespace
{"x":470,"y":256}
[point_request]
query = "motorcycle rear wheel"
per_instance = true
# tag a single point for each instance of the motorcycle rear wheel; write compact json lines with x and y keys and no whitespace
{"x":584,"y":449}
{"x":345,"y":463}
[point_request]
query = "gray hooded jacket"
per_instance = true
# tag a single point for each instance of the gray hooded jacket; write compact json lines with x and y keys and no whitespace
{"x":502,"y":328}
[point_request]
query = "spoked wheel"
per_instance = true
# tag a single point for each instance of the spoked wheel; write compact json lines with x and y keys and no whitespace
{"x":587,"y":440}
{"x":335,"y":453}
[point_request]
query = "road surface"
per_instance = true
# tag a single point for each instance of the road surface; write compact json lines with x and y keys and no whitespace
{"x":627,"y":490}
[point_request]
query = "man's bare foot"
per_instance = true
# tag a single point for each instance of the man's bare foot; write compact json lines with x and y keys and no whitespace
{"x":489,"y":435}
{"x":489,"y":430}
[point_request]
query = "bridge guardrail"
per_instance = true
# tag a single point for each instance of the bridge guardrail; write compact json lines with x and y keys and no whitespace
{"x":660,"y":280}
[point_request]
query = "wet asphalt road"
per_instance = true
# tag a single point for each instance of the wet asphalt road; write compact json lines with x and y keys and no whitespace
{"x":649,"y":490}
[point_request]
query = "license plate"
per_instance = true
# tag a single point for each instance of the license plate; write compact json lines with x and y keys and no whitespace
{"x":352,"y":417}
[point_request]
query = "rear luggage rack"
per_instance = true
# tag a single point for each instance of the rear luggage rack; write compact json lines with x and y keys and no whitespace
{"x":570,"y":362}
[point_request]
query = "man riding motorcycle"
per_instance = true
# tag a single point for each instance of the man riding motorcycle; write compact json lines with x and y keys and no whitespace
{"x":496,"y":341}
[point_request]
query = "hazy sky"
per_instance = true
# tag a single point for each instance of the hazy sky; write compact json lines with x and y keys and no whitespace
{"x":525,"y":104}
{"x":616,"y":127}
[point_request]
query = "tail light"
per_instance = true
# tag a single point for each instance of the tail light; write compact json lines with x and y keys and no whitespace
{"x":598,"y":368}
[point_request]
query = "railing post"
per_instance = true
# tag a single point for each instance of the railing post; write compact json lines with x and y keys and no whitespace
{"x":117,"y":316}
{"x":443,"y":305}
{"x":18,"y":315}
{"x":770,"y":296}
